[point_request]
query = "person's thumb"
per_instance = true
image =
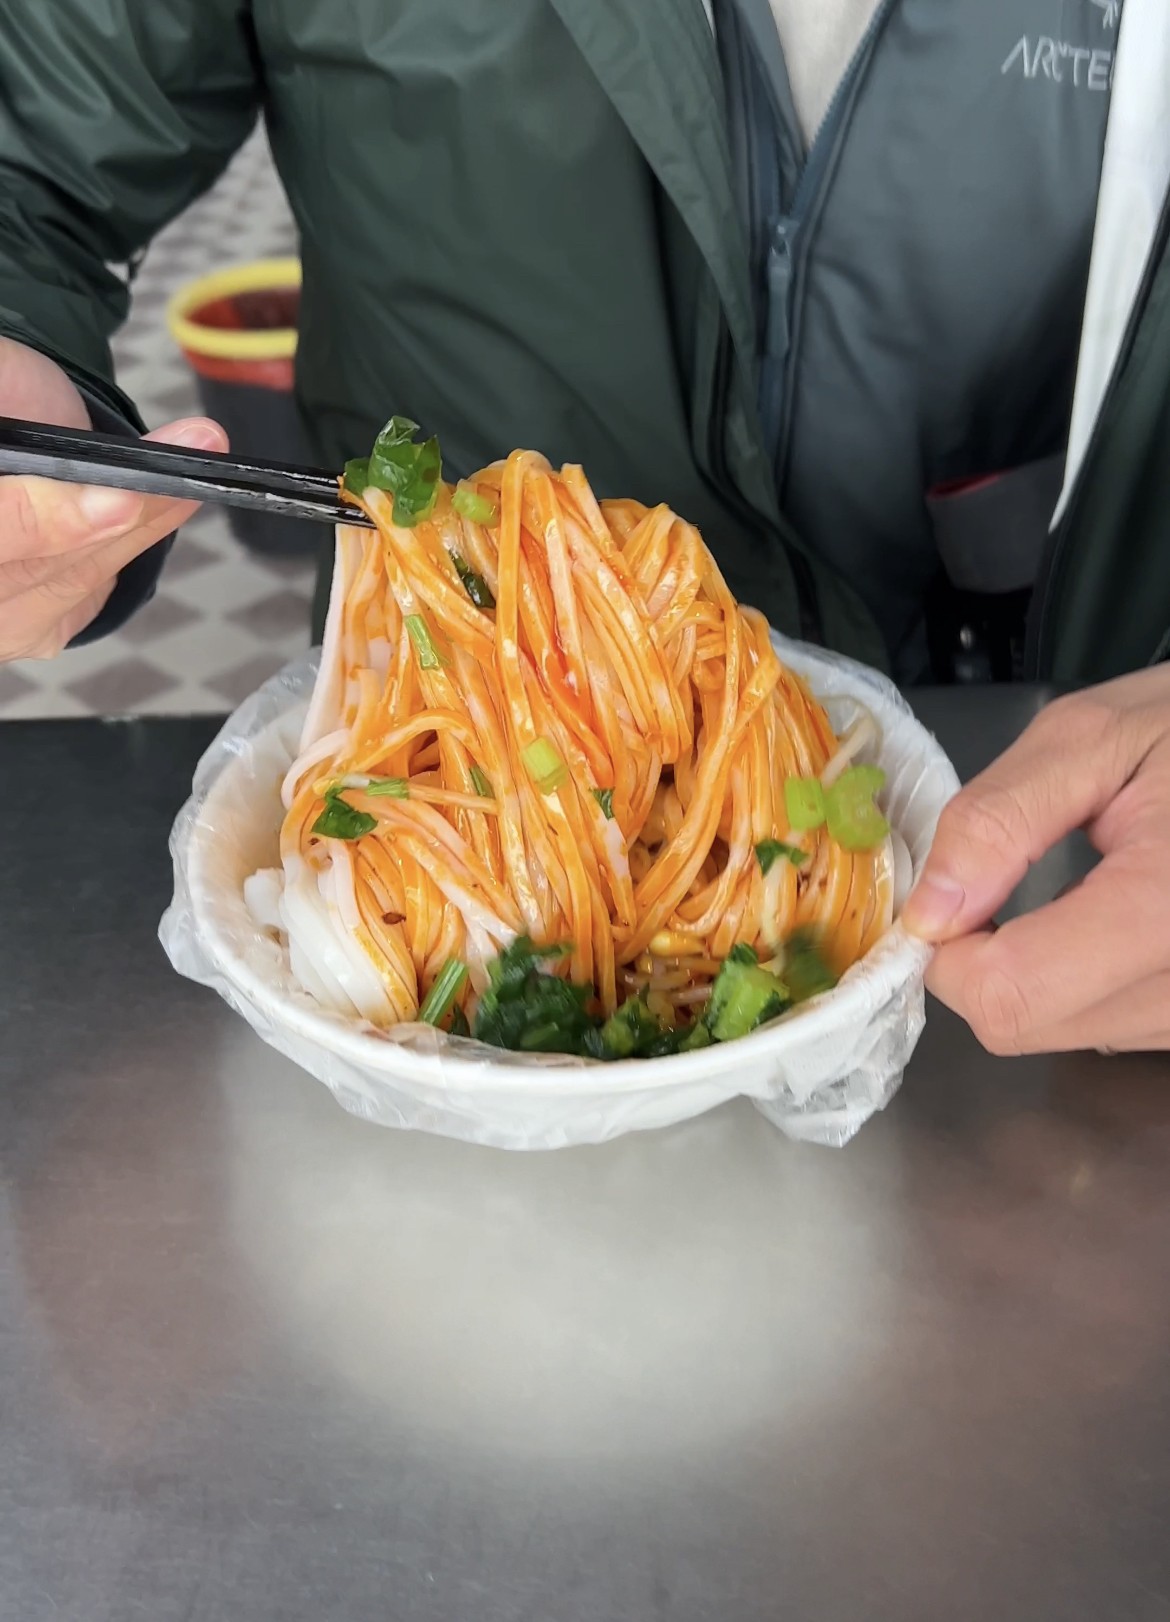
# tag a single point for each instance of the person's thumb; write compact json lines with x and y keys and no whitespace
{"x":1061,"y":773}
{"x":45,"y":518}
{"x":200,"y":433}
{"x":115,"y":512}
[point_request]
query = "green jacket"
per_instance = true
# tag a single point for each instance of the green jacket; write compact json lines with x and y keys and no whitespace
{"x":517,"y":226}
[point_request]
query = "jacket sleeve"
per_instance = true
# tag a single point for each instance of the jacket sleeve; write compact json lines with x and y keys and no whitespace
{"x":114,"y":116}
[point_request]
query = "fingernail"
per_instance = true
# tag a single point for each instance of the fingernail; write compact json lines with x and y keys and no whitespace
{"x":108,"y":512}
{"x":932,"y":905}
{"x":200,"y":436}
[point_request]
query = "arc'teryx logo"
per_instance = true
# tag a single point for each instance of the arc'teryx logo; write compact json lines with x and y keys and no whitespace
{"x":1081,"y":67}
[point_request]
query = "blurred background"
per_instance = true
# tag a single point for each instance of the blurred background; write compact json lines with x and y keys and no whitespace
{"x":226,"y":615}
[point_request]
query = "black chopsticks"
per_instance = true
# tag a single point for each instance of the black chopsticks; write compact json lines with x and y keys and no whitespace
{"x":79,"y":456}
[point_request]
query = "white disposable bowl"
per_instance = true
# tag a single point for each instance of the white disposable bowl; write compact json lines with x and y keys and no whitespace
{"x":818,"y":1073}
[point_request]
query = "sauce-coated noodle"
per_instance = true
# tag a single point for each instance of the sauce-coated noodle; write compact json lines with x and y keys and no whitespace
{"x":593,"y":760}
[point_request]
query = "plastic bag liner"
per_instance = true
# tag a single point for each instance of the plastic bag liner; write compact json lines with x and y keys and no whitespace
{"x":818,"y":1073}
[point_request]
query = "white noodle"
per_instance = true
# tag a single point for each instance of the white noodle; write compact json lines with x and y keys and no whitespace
{"x":325,"y":705}
{"x":861,"y":735}
{"x":324,"y":749}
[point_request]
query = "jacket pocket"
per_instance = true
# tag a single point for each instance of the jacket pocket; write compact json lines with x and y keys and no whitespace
{"x":991,"y":532}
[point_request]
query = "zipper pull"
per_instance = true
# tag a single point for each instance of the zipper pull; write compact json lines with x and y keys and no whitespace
{"x":777,"y":326}
{"x":777,"y":332}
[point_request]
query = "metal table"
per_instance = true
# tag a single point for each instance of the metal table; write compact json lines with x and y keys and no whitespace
{"x":262,"y":1362}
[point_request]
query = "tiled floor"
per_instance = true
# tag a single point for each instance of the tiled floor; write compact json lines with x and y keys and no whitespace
{"x":224,"y":618}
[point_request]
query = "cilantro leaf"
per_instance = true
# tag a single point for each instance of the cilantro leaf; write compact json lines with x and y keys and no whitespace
{"x":770,"y":850}
{"x":409,"y":471}
{"x":340,"y":820}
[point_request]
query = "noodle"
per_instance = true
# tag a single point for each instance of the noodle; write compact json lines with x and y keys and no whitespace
{"x":594,"y":758}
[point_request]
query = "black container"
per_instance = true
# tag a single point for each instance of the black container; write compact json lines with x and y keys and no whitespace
{"x":262,"y":422}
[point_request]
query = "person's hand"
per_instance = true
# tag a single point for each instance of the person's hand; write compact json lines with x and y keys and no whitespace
{"x":1092,"y":969}
{"x":62,"y":545}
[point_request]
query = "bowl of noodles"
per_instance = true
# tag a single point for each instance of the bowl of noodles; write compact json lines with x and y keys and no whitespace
{"x":554,"y":839}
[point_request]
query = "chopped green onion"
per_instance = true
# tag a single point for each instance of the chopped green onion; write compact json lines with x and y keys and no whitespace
{"x":474,"y":584}
{"x":459,"y":1025}
{"x":396,"y":787}
{"x":806,"y":974}
{"x":447,"y":986}
{"x":697,"y":1037}
{"x":542,"y":1038}
{"x":429,"y":657}
{"x":629,"y":1031}
{"x":804,"y":800}
{"x":481,"y":784}
{"x":683,"y":1039}
{"x":853,"y":818}
{"x":357,"y":475}
{"x":524,"y":1008}
{"x":409,"y":471}
{"x":744,"y":995}
{"x":604,"y":798}
{"x":543,"y":763}
{"x":340,"y":820}
{"x":515,"y":962}
{"x":769,"y":850}
{"x":468,"y":503}
{"x":867,"y":779}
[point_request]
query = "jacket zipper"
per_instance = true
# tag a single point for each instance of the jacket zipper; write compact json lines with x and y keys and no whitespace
{"x":775,"y":394}
{"x":808,"y":610}
{"x":1039,"y":617}
{"x":807,"y":607}
{"x":783,"y":319}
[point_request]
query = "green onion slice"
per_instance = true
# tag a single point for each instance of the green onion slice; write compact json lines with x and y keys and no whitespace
{"x":468,"y":503}
{"x":429,"y":657}
{"x":804,"y":801}
{"x":851,"y":814}
{"x":543,"y":763}
{"x":474,"y":584}
{"x":448,"y":984}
